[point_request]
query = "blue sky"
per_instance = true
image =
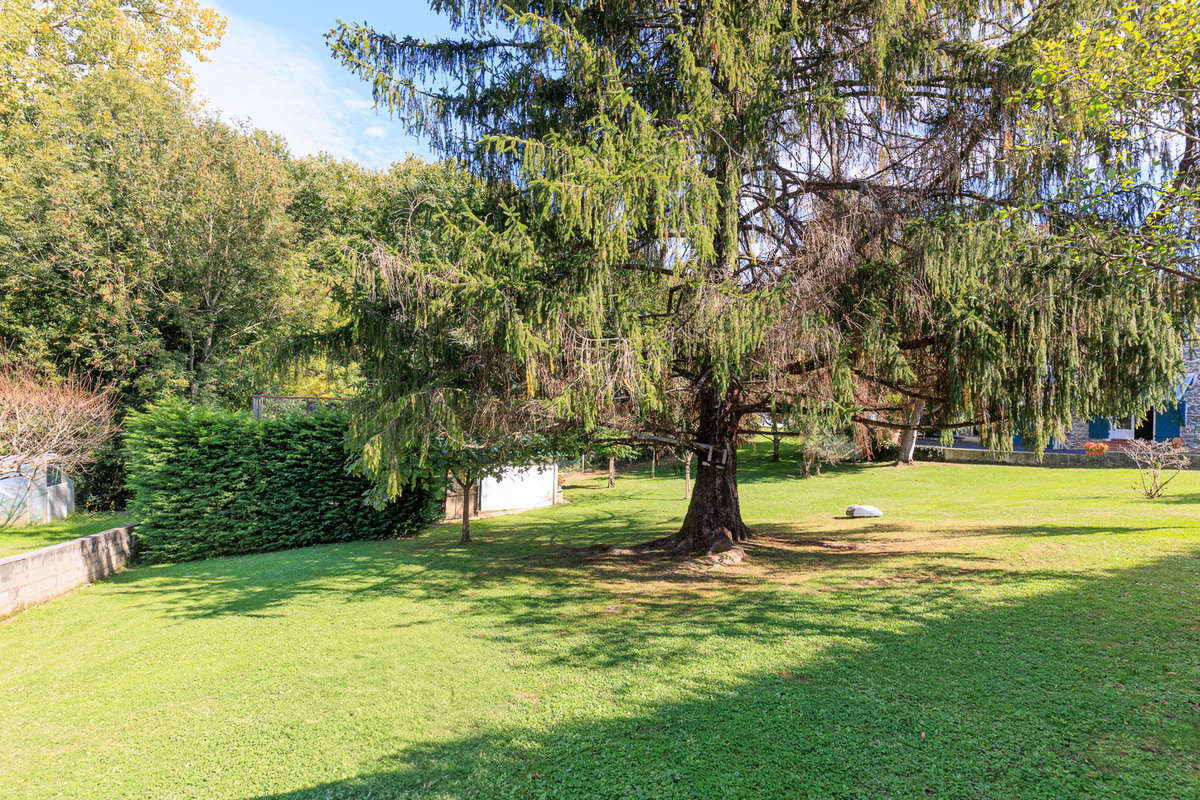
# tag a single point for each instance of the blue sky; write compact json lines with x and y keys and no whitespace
{"x":274,"y":70}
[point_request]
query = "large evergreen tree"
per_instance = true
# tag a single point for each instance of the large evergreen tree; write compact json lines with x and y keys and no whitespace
{"x":828,"y":211}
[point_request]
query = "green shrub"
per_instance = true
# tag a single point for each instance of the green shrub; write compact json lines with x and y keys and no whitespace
{"x":929,"y":454}
{"x":890,"y":451}
{"x":208,"y":482}
{"x":102,"y":486}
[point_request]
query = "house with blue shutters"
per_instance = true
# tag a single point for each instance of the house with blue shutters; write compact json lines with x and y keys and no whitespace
{"x":1171,"y":422}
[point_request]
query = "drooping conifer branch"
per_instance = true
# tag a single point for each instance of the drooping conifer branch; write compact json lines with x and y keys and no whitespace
{"x":689,"y":214}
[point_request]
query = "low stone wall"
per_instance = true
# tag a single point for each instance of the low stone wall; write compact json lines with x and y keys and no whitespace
{"x":971,"y":455}
{"x":46,"y":573}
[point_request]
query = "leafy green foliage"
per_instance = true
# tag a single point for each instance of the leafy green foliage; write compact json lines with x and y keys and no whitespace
{"x":1112,"y":104}
{"x":103,"y":487}
{"x":208,"y":482}
{"x":47,"y":46}
{"x":612,"y":448}
{"x":609,"y":445}
{"x":139,"y":243}
{"x":146,"y":245}
{"x":342,"y":213}
{"x":420,"y":408}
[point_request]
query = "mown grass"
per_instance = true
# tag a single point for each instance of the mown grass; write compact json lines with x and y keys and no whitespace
{"x":1002,"y":632}
{"x":20,"y":540}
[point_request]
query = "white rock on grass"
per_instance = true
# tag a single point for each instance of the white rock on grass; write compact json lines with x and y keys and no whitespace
{"x":860,"y":510}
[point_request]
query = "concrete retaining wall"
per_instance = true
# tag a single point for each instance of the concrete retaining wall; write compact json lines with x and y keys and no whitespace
{"x":41,"y":575}
{"x":965,"y":455}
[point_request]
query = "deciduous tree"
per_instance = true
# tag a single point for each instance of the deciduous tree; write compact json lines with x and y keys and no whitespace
{"x":612,"y":446}
{"x":46,"y":45}
{"x":47,"y":422}
{"x":142,"y":242}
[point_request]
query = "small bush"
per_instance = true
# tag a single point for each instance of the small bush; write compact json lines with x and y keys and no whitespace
{"x":890,"y":451}
{"x":929,"y":454}
{"x":827,"y":447}
{"x":207,"y":482}
{"x":102,"y":486}
{"x":1157,"y":463}
{"x":884,"y":451}
{"x":1095,"y":448}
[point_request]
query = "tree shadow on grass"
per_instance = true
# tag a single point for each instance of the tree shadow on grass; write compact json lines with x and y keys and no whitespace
{"x":1090,"y":691}
{"x":1180,"y":498}
{"x":609,"y":613}
{"x":563,"y":583}
{"x":438,"y":568}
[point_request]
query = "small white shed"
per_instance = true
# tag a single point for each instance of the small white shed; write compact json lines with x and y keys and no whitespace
{"x":48,"y":496}
{"x":514,"y":489}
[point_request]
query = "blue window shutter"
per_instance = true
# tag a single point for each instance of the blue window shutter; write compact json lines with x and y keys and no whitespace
{"x":1167,"y":424}
{"x":1098,"y":428}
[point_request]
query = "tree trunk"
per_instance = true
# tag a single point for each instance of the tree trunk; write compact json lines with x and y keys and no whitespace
{"x":653,"y":461}
{"x":908,"y":439}
{"x":687,"y":474}
{"x":612,"y":471}
{"x":714,"y":517}
{"x":466,"y":512}
{"x":193,"y":387}
{"x":775,"y":437}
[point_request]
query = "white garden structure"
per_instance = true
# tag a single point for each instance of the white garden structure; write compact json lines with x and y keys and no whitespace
{"x":514,"y":489}
{"x":31,"y":497}
{"x":519,"y":488}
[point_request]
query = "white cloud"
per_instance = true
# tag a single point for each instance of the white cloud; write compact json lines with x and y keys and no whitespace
{"x":262,"y":76}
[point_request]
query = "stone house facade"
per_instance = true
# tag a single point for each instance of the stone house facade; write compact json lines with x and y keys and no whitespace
{"x":1173,"y":421}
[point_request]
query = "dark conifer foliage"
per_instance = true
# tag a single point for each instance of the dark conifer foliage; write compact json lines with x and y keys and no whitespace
{"x":702,"y":212}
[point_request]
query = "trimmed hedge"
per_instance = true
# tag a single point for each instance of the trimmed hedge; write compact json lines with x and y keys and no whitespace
{"x":208,"y":482}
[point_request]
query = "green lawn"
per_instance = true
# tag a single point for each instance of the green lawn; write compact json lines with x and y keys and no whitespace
{"x":1003,"y":632}
{"x":20,"y":540}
